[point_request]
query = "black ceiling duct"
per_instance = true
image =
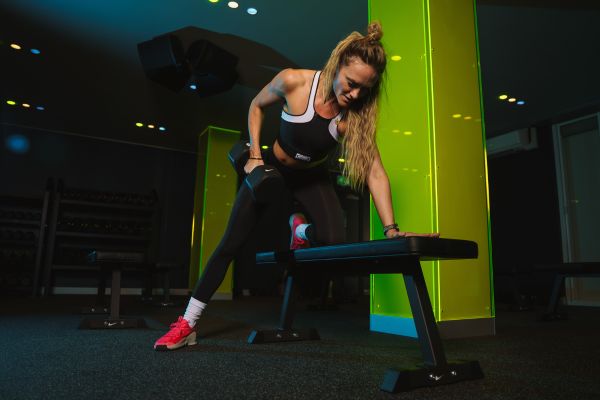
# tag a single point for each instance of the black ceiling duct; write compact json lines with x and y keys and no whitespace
{"x":164,"y":62}
{"x":213,"y":68}
{"x":210,"y":68}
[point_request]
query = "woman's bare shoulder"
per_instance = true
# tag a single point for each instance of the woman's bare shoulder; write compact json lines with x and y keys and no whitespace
{"x":292,"y":78}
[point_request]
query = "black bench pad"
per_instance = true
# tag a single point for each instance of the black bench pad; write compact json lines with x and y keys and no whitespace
{"x":377,"y":256}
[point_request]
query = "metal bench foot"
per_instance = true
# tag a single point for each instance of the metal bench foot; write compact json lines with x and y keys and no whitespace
{"x":408,"y":379}
{"x":120,"y":323}
{"x":278,"y":335}
{"x":554,"y":316}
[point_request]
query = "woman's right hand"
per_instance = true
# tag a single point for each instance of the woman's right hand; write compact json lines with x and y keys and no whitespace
{"x":251,"y":164}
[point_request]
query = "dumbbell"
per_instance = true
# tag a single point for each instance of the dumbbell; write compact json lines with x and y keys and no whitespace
{"x":238,"y":156}
{"x":265,"y":182}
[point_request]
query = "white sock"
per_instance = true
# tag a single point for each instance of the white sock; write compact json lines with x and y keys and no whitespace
{"x":301,"y":231}
{"x":193,"y":311}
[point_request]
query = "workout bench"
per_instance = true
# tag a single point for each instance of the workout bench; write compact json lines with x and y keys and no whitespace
{"x":115,"y":263}
{"x":388,"y":256}
{"x":562,"y":271}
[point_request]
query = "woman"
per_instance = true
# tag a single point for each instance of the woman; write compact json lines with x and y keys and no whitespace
{"x":321,"y":108}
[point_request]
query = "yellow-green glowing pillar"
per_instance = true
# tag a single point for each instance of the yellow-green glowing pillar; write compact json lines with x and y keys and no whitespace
{"x":431,"y":139}
{"x":215,"y":191}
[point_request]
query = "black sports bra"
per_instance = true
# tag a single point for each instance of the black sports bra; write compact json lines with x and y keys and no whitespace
{"x":309,"y":137}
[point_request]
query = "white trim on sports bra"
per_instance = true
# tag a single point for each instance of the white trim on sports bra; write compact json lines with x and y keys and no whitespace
{"x":310,"y":108}
{"x":310,"y":111}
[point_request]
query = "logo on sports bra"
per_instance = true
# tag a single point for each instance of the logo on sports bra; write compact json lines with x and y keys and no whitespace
{"x":302,"y":157}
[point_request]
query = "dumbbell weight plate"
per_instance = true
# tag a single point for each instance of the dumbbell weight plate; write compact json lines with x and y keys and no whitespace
{"x":265,"y":183}
{"x":238,"y":156}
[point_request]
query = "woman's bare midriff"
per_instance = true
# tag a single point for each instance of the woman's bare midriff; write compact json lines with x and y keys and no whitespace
{"x":290,"y":162}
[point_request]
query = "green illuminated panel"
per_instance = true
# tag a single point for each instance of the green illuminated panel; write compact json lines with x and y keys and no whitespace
{"x":460,"y":159}
{"x":216,"y":186}
{"x":430,"y":136}
{"x":404,"y":140}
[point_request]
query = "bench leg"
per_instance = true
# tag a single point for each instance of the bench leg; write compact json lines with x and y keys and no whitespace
{"x":422,"y":311}
{"x":166,"y":299}
{"x":115,"y":293}
{"x":288,"y":307}
{"x":551,"y":313}
{"x":115,"y":321}
{"x":167,"y":289}
{"x":436,"y":370}
{"x":284,"y":333}
{"x":100,"y":307}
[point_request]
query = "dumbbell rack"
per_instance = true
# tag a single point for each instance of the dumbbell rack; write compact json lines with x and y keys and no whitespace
{"x":23,"y":224}
{"x":81,"y":221}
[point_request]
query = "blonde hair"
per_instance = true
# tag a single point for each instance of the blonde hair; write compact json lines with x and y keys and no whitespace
{"x":358,"y":146}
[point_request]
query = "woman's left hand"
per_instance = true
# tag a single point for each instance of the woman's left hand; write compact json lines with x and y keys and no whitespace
{"x":394,"y":233}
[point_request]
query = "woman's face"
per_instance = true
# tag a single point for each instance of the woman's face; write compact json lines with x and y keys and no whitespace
{"x":353,"y":81}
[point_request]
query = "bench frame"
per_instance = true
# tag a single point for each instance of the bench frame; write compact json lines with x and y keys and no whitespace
{"x":562,"y":271}
{"x":436,"y":370}
{"x":116,"y":263}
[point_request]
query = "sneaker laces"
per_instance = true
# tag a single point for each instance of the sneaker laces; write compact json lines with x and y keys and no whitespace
{"x":176,"y":328}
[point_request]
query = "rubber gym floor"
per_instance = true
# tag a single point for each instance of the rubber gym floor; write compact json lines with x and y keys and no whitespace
{"x":46,"y":356}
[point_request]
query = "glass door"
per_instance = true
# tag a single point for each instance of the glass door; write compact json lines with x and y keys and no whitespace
{"x":577,"y":149}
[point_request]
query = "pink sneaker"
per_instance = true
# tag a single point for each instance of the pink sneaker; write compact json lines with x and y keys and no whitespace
{"x":178,"y":336}
{"x":296,"y":242}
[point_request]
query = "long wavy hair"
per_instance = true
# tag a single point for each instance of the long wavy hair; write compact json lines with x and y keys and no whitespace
{"x":358,"y":146}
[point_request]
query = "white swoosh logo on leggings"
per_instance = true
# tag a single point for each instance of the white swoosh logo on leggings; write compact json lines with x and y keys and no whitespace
{"x":268,"y":170}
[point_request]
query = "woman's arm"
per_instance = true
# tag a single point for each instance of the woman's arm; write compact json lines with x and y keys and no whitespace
{"x":379,"y":186}
{"x":277,"y":90}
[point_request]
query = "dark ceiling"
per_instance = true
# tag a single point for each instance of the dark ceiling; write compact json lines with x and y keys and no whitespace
{"x":90,"y":80}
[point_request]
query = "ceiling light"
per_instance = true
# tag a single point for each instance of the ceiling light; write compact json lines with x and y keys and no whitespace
{"x":35,"y":51}
{"x":456,"y":115}
{"x":512,"y":100}
{"x":520,"y":102}
{"x":150,"y":126}
{"x":214,"y":1}
{"x":468,"y":117}
{"x":233,"y":4}
{"x":407,"y":133}
{"x":139,"y":124}
{"x":11,"y":102}
{"x":26,"y":105}
{"x":252,"y":11}
{"x":503,"y":97}
{"x":341,"y":160}
{"x":162,"y":128}
{"x":40,"y":108}
{"x":15,"y":46}
{"x":396,"y":58}
{"x":395,"y":130}
{"x":264,"y":147}
{"x":193,"y":87}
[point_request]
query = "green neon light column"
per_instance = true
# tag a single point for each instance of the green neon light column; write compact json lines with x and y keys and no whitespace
{"x":215,"y":191}
{"x":431,"y":139}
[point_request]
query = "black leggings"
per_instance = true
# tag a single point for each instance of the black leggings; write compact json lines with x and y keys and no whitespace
{"x":314,"y":191}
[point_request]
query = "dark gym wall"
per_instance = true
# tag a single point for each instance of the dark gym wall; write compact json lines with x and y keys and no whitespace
{"x":525,"y":217}
{"x":94,"y":164}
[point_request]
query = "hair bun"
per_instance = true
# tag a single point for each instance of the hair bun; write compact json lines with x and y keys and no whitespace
{"x":374,"y":31}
